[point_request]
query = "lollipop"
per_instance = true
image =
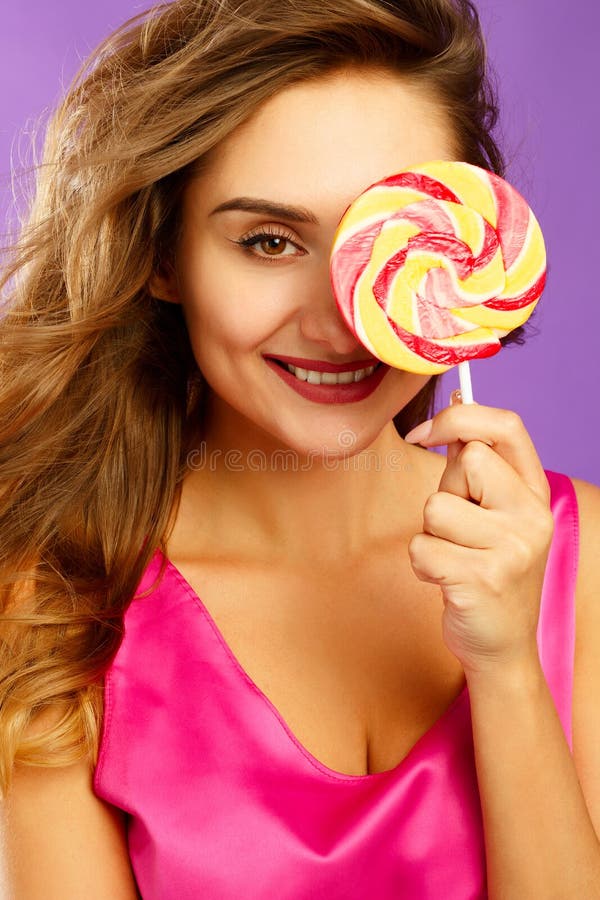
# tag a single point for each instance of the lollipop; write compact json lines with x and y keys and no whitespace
{"x":432,"y":266}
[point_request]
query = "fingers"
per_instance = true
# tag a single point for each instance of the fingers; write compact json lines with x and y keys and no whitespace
{"x":504,"y":433}
{"x":456,"y":522}
{"x":452,"y":518}
{"x":436,"y":561}
{"x":480,"y":474}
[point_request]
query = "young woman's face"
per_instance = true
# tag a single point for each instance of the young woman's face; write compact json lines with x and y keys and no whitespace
{"x":252,"y":268}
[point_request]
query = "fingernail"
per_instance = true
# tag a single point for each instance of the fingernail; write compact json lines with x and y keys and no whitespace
{"x":455,"y":397}
{"x":420,"y":433}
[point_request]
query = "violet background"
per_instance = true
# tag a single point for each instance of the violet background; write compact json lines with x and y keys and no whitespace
{"x":546,"y":64}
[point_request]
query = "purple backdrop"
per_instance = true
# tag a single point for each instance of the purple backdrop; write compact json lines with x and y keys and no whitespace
{"x":547,"y":71}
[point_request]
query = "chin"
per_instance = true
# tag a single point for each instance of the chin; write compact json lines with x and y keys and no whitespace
{"x":345,"y":442}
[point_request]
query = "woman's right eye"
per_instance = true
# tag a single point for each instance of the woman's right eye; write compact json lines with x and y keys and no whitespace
{"x":270,"y":246}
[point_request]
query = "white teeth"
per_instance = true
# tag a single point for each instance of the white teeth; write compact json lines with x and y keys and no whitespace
{"x":314,"y":377}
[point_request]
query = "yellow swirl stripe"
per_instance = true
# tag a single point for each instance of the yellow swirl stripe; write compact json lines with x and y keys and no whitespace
{"x":433,"y":265}
{"x":470,"y":184}
{"x":379,"y":203}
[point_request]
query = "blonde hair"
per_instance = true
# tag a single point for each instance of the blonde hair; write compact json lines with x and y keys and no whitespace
{"x":100,"y":396}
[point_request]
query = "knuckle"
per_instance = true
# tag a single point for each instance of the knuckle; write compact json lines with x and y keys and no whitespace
{"x":473,"y":454}
{"x":513,"y":423}
{"x":433,"y":509}
{"x":415,"y":546}
{"x":525,"y":546}
{"x":491,"y":575}
{"x":522,"y":551}
{"x":417,"y":554}
{"x":540,"y":521}
{"x":418,"y":551}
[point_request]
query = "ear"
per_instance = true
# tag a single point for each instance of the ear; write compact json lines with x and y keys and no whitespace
{"x":162,"y":284}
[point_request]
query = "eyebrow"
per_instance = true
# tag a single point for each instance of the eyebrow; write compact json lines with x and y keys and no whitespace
{"x":269,"y":208}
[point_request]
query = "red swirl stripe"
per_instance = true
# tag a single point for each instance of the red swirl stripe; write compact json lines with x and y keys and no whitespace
{"x":446,"y":356}
{"x":522,"y":300}
{"x":461,"y":259}
{"x":425,"y":184}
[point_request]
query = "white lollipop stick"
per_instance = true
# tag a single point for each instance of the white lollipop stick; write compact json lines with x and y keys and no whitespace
{"x":466,"y":388}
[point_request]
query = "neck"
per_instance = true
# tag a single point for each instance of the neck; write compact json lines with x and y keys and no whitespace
{"x":248,"y":495}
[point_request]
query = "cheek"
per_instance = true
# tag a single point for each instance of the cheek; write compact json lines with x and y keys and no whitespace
{"x":234,"y":305}
{"x":404,"y":387}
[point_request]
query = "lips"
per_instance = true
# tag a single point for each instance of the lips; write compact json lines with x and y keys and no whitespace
{"x":318,"y":365}
{"x":325,"y":393}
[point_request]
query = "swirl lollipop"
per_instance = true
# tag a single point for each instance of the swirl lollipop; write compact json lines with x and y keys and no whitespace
{"x":432,"y":266}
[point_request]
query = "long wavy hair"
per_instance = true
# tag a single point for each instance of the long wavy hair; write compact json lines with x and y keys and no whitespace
{"x":101,"y":400}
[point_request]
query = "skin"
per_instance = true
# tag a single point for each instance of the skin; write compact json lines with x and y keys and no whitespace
{"x":477,"y":522}
{"x":487,"y":556}
{"x":237,"y":307}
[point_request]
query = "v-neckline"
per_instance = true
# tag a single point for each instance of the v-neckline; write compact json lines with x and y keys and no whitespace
{"x":427,"y":736}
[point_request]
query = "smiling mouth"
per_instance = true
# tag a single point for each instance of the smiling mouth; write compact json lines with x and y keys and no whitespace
{"x":313,"y":377}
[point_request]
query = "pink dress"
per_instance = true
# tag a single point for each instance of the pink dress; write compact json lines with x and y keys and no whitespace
{"x":224,"y":803}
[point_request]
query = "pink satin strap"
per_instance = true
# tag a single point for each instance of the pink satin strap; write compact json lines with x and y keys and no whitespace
{"x":556,"y":629}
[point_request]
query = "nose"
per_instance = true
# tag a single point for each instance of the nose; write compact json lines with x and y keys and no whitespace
{"x":321,"y":321}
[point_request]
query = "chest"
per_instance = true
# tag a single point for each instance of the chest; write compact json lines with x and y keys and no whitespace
{"x":352,"y":660}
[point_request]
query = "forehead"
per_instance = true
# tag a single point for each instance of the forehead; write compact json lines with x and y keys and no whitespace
{"x":319,"y":143}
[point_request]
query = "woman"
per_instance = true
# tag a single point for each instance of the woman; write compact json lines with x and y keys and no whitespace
{"x":224,"y":668}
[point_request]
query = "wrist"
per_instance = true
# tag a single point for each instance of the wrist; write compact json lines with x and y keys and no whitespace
{"x":521,"y":674}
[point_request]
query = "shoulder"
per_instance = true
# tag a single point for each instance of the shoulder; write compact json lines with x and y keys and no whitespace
{"x":78,"y":841}
{"x":586,"y":680}
{"x":587,"y":594}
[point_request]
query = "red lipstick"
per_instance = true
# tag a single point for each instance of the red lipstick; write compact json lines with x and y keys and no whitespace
{"x":318,"y":365}
{"x":329,"y":393}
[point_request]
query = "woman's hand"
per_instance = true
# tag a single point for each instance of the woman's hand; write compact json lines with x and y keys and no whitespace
{"x":486,"y":535}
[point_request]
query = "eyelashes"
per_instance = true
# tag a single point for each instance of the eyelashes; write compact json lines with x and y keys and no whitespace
{"x":272,"y":241}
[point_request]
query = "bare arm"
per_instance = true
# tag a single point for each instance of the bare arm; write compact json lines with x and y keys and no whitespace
{"x":539,"y":802}
{"x":62,"y":842}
